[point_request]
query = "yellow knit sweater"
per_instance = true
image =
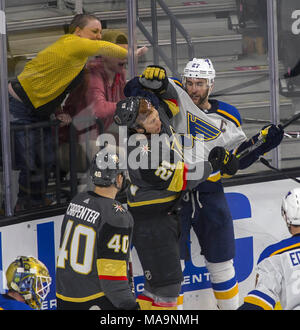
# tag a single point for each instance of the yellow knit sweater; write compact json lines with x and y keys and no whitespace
{"x":48,"y":75}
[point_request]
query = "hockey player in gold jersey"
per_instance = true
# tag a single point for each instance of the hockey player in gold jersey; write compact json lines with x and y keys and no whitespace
{"x":96,"y":234}
{"x":154,"y":195}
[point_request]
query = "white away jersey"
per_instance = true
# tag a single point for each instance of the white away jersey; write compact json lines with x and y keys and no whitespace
{"x":219,"y":126}
{"x":278,"y":276}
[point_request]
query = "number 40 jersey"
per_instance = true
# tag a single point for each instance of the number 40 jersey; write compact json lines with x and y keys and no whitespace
{"x":94,"y":251}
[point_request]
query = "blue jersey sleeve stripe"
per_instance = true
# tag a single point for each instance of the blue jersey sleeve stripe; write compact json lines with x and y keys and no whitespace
{"x":284,"y":245}
{"x":263,"y":296}
{"x":177,"y":81}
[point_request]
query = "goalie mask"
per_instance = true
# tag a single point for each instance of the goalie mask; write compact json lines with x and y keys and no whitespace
{"x":105,"y":167}
{"x":200,"y":68}
{"x":290,"y":207}
{"x":30,"y":278}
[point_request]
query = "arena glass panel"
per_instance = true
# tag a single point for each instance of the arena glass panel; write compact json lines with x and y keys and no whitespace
{"x":233,"y":34}
{"x":289,"y":79}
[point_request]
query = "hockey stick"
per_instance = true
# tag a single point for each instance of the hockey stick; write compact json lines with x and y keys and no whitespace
{"x":292,"y":135}
{"x":266,"y":163}
{"x":261,"y":138}
{"x":130,"y":273}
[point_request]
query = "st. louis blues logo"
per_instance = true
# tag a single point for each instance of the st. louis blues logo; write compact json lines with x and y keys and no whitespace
{"x":200,"y":129}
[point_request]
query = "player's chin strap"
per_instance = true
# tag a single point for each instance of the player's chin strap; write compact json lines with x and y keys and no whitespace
{"x":266,"y":163}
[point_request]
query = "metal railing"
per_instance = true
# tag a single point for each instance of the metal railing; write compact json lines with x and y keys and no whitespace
{"x":175,"y":26}
{"x":54,"y":181}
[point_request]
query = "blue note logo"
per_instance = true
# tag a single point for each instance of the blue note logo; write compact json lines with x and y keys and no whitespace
{"x":200,"y":129}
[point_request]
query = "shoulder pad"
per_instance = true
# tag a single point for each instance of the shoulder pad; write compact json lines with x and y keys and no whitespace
{"x":280,"y":247}
{"x":176,"y":81}
{"x":115,"y":214}
{"x":229,"y":112}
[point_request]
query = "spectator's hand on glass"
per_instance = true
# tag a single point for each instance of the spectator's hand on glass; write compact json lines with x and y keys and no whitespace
{"x":141,"y":51}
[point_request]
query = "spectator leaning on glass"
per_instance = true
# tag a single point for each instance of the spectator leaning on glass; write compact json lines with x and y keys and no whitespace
{"x":103,"y":84}
{"x":42,"y":86}
{"x":95,"y":98}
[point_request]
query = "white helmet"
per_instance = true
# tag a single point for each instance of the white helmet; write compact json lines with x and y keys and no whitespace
{"x":290,"y":207}
{"x":201,"y":68}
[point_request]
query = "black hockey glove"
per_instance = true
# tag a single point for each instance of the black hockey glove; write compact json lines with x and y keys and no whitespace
{"x":273,"y":135}
{"x":216,"y":158}
{"x":154,"y":78}
{"x":231,"y":164}
{"x":270,"y":135}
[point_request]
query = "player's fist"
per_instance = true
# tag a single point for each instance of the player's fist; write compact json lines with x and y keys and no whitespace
{"x":222,"y":160}
{"x":230,"y":164}
{"x":272,"y":136}
{"x":216,"y":158}
{"x":154,"y":72}
{"x":155,"y":78}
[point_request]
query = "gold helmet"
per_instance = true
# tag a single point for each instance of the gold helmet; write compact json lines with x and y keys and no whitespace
{"x":30,"y":278}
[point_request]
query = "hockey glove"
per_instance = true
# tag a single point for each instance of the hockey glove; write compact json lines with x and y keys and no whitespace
{"x":273,"y":135}
{"x":216,"y":158}
{"x":231,"y":164}
{"x":270,"y":135}
{"x":154,"y":78}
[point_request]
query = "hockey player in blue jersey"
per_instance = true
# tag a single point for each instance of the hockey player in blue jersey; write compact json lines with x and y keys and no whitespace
{"x":278,"y":267}
{"x":205,"y":209}
{"x":28,"y":283}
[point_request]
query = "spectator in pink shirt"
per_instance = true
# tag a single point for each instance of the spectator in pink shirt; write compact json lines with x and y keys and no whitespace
{"x":105,"y":85}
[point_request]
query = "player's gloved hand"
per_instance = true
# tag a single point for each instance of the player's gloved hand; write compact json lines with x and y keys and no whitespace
{"x":231,"y":164}
{"x":216,"y":158}
{"x":272,"y":136}
{"x":155,"y":78}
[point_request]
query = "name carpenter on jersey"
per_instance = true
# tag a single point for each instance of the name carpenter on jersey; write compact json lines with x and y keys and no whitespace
{"x":82,"y":212}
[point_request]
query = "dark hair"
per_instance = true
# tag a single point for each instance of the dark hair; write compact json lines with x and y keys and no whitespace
{"x":81,"y":20}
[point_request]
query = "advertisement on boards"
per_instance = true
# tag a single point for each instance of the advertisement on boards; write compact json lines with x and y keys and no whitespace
{"x":257,"y":222}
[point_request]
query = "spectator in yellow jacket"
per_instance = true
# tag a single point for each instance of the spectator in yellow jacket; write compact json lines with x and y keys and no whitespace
{"x":39,"y":89}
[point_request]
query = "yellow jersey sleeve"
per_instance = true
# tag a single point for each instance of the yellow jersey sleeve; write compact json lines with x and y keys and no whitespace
{"x":83,"y":47}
